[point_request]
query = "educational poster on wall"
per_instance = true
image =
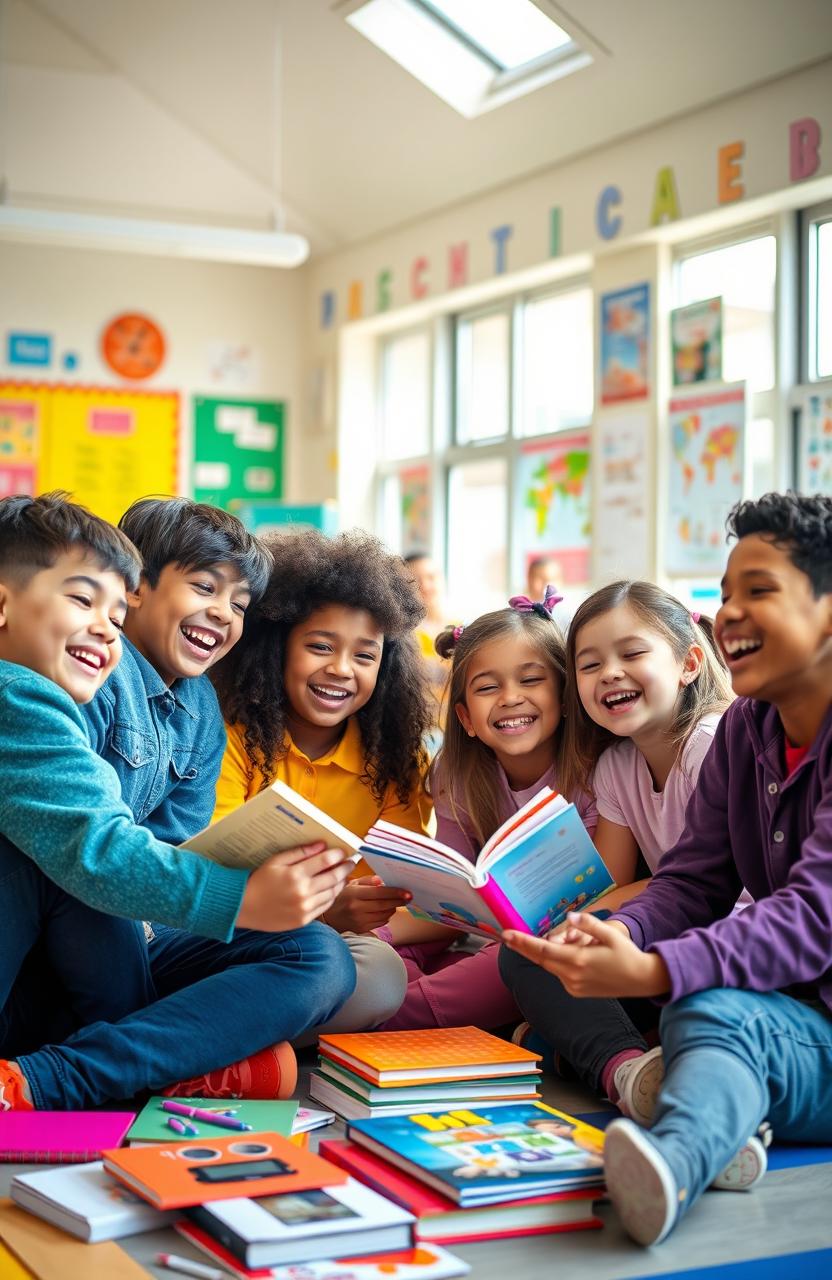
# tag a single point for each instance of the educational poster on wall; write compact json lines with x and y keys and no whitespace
{"x":554,"y":500}
{"x":21,"y":418}
{"x":414,"y":497}
{"x":238,"y":450}
{"x":625,"y":344}
{"x":621,"y":541}
{"x":707,"y":442}
{"x":109,"y":447}
{"x":814,"y":470}
{"x":696,"y":342}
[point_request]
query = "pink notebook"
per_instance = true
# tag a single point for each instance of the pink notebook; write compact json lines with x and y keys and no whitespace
{"x":60,"y":1137}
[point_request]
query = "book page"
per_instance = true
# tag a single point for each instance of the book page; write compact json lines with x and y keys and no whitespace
{"x":440,"y":893}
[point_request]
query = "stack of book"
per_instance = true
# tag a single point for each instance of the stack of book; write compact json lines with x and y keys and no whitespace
{"x":389,"y":1073}
{"x":480,"y":1173}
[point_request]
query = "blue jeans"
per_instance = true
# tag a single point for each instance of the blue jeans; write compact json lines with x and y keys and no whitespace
{"x":92,"y":1013}
{"x":734,"y":1059}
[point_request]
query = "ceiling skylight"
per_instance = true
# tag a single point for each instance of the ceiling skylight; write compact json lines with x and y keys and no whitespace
{"x":474,"y":54}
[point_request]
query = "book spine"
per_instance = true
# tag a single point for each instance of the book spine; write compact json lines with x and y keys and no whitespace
{"x":49,"y":1157}
{"x":220,"y":1231}
{"x":493,"y":897}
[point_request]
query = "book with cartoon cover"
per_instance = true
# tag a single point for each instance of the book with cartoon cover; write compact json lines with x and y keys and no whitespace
{"x":539,"y":865}
{"x":484,"y":1155}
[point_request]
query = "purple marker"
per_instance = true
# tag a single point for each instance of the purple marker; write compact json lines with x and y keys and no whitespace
{"x":207,"y":1117}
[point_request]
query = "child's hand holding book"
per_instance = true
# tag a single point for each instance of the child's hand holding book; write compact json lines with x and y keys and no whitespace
{"x":292,"y":888}
{"x":364,"y":904}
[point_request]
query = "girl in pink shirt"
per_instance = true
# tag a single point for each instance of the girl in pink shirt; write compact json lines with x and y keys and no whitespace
{"x":502,"y":744}
{"x":645,"y":690}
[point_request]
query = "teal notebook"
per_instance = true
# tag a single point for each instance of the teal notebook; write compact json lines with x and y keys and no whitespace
{"x":264,"y":1117}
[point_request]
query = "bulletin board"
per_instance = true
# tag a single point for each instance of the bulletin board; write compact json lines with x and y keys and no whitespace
{"x":238,"y":450}
{"x":104,"y":446}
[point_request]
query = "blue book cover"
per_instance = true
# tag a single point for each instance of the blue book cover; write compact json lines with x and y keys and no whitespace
{"x":483,"y":1155}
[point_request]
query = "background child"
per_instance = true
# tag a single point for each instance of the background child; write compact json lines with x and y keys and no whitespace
{"x":77,"y":874}
{"x":326,"y":692}
{"x":502,"y":744}
{"x":645,"y":689}
{"x":747,"y":1027}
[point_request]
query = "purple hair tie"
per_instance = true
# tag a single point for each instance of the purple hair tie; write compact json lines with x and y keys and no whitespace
{"x":457,"y":632}
{"x":695,"y":615}
{"x":543,"y":608}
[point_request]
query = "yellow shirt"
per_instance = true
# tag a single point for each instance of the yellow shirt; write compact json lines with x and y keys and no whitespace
{"x":333,"y":782}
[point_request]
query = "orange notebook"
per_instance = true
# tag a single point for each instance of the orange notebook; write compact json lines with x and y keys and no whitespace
{"x":179,"y":1174}
{"x":423,"y":1057}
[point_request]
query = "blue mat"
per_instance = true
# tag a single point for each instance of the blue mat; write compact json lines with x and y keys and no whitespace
{"x":816,"y":1264}
{"x":780,"y":1155}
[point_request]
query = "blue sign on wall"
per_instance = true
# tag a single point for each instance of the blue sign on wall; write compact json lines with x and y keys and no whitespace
{"x":29,"y":348}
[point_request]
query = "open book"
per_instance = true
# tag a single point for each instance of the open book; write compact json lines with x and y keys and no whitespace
{"x":539,"y":865}
{"x":273,"y":820}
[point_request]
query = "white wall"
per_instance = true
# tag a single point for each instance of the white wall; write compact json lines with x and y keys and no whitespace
{"x":72,"y":294}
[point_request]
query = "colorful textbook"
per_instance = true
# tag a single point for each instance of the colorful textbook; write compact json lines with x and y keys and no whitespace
{"x":485,"y":1155}
{"x":425,"y":1056}
{"x":539,"y":865}
{"x":60,"y":1137}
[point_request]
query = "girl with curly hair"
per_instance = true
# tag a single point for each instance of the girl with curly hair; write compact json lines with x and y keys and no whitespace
{"x":325,"y":691}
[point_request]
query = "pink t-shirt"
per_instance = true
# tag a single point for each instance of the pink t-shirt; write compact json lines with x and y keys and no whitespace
{"x":460,"y":834}
{"x":624,"y":791}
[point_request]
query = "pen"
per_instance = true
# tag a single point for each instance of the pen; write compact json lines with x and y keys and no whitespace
{"x":188,"y":1268}
{"x":207,"y":1117}
{"x":182,"y":1126}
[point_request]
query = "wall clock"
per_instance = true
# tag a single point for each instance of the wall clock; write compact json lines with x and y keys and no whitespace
{"x":133,"y":346}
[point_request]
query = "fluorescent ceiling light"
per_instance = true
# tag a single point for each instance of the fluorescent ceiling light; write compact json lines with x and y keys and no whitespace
{"x":166,"y":239}
{"x":474,"y":54}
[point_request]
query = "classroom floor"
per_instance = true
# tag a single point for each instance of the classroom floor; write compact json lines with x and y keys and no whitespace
{"x":781,"y":1230}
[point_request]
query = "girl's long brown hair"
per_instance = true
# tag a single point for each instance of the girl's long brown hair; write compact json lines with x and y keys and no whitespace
{"x":467,"y":768}
{"x":710,"y":693}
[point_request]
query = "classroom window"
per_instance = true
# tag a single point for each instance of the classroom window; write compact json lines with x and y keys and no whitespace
{"x":743,"y":275}
{"x":817,"y":283}
{"x":477,"y":534}
{"x":824,"y":301}
{"x":483,"y":377}
{"x":405,"y":395}
{"x":556,"y":362}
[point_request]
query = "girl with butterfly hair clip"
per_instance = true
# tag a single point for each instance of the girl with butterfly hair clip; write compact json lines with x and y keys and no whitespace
{"x":502,"y":743}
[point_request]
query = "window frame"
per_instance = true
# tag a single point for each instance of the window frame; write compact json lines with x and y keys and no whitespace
{"x":810,"y":220}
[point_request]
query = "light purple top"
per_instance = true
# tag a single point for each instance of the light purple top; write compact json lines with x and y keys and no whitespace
{"x":461,"y":836}
{"x":625,"y":792}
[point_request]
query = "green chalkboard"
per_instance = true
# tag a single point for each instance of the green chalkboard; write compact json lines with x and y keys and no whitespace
{"x":238,"y":450}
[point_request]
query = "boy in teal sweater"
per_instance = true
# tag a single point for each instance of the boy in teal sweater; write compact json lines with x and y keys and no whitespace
{"x":77,"y":873}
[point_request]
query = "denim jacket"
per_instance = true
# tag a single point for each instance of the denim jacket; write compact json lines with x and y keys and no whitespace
{"x":165,"y":744}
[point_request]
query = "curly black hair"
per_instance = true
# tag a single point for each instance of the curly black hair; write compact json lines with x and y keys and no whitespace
{"x":311,"y":571}
{"x":799,"y":524}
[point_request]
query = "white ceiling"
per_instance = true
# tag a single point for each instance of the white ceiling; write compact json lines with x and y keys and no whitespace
{"x":212,"y":109}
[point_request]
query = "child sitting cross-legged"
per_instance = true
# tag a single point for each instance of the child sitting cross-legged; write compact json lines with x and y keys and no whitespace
{"x":77,"y":874}
{"x":746,"y":1026}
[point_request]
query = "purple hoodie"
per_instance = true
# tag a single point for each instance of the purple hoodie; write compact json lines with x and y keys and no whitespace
{"x":747,"y":823}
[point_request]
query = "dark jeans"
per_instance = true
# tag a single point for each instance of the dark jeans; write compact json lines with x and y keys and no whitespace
{"x":93,"y":1013}
{"x":586,"y":1033}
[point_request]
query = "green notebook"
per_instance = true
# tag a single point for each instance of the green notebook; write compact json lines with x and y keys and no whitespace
{"x":264,"y":1117}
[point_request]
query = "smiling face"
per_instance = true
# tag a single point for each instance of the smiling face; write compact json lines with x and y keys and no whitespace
{"x":628,"y":677}
{"x":65,"y":623}
{"x":776,"y":637}
{"x":331,"y":669}
{"x":189,"y":620}
{"x":513,"y":705}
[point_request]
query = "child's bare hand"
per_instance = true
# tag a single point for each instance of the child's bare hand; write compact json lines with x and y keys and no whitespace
{"x":292,"y":888}
{"x":365,"y":904}
{"x":611,"y":966}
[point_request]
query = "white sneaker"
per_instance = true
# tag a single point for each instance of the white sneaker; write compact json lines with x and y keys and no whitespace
{"x":748,"y":1165}
{"x":640,"y":1183}
{"x":638,"y":1081}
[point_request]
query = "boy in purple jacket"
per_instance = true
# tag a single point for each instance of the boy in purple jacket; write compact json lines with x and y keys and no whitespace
{"x":748,"y":996}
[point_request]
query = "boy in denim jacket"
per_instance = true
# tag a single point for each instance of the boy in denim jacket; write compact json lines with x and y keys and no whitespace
{"x":78,"y":873}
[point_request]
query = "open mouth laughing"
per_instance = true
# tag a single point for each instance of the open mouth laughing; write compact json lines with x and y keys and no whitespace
{"x":200,"y":641}
{"x":331,"y":697}
{"x":91,"y":661}
{"x":514,"y":724}
{"x":736,"y":648}
{"x":618,"y":701}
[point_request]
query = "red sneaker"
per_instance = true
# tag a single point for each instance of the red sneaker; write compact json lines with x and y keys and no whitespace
{"x":13,"y":1089}
{"x":271,"y":1073}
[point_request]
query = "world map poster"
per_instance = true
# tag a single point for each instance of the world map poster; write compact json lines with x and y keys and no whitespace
{"x":707,"y":443}
{"x":555,"y":502}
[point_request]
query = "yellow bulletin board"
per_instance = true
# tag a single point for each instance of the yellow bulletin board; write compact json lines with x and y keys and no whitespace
{"x":107,"y":447}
